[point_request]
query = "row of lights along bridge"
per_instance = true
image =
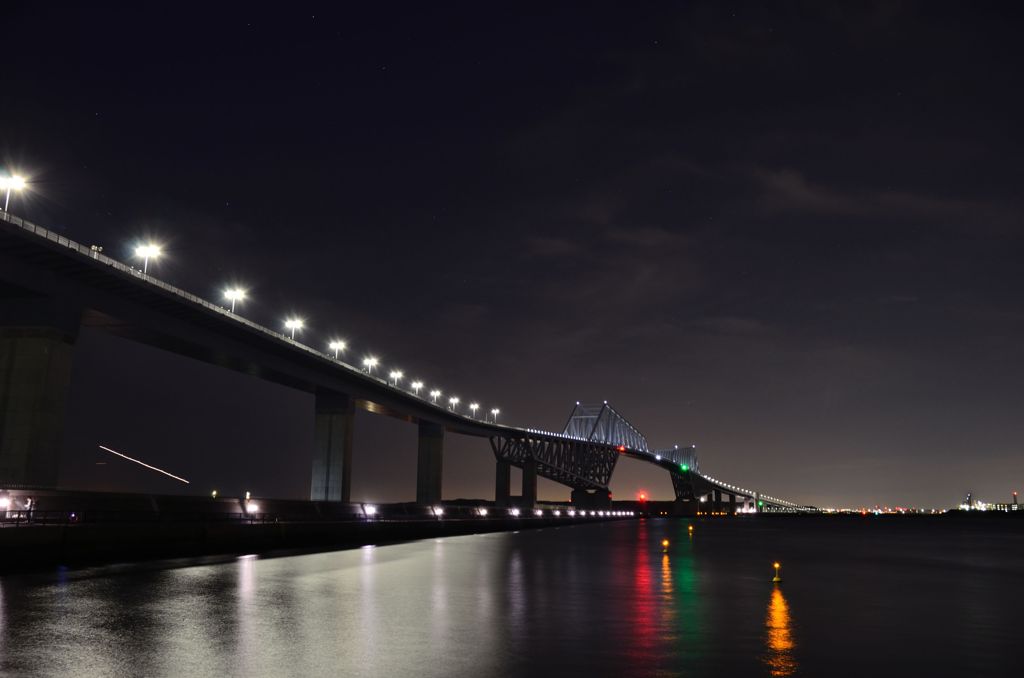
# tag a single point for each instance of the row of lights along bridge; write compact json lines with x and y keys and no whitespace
{"x":151,"y":252}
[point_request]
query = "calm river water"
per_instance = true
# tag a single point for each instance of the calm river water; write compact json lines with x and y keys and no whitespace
{"x":864,"y":597}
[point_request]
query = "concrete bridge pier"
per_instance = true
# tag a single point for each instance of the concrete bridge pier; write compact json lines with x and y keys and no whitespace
{"x":529,"y":484}
{"x":37,"y":338}
{"x":717,"y":501}
{"x":732,"y":504}
{"x":502,"y":484}
{"x":429,"y":459}
{"x":332,"y":452}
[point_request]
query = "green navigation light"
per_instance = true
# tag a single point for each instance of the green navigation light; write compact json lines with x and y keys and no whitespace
{"x":684,"y":467}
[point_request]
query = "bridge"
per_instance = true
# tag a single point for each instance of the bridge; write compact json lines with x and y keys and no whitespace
{"x":51,"y":286}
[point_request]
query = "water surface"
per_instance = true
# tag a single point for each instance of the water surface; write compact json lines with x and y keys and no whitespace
{"x":857,"y":598}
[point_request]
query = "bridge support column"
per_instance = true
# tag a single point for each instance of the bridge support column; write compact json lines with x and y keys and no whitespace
{"x":429,"y":461}
{"x":332,"y":451}
{"x":757,"y":502}
{"x":529,"y":484}
{"x":717,"y":501}
{"x":732,"y":504}
{"x":502,"y":483}
{"x":36,"y":345}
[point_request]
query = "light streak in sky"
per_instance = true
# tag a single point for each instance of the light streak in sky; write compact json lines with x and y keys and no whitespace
{"x":140,"y":463}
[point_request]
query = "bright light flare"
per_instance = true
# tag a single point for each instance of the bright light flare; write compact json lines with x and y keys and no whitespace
{"x":14,"y":183}
{"x":5,"y":503}
{"x":148,"y":251}
{"x":294,"y":324}
{"x":234,"y":295}
{"x":142,"y":463}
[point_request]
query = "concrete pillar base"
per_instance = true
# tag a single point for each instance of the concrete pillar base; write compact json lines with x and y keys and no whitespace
{"x":429,"y":460}
{"x":332,"y":453}
{"x":36,"y":348}
{"x":529,"y":484}
{"x":502,"y":484}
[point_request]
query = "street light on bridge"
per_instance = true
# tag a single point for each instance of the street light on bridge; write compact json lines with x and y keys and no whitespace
{"x":416,"y":386}
{"x":294,"y":324}
{"x":453,"y":401}
{"x":147,"y":252}
{"x":11,"y":183}
{"x":369,"y":363}
{"x":336,"y":345}
{"x":396,"y":376}
{"x":473,"y":407}
{"x":434,"y":395}
{"x":494,"y":414}
{"x":234,"y":294}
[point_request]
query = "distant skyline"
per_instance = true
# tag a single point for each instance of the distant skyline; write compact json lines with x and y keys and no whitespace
{"x":790,"y":235}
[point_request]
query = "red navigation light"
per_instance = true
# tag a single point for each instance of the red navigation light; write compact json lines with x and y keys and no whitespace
{"x":642,"y":496}
{"x":622,"y":448}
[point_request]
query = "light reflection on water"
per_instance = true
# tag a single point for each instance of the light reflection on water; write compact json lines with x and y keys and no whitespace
{"x":779,"y":638}
{"x":597,"y":600}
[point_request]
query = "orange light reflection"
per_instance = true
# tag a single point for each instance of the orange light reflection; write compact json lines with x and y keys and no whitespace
{"x":780,"y":642}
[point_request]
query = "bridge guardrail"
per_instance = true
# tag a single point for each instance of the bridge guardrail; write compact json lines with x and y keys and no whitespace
{"x":89,"y":252}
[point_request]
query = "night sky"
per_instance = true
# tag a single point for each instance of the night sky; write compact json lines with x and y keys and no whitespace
{"x":790,"y":233}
